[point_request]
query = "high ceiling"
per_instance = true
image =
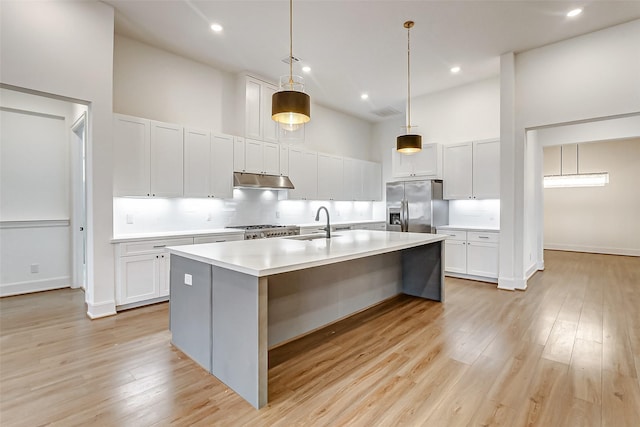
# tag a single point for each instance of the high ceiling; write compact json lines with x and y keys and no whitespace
{"x":359,"y":46}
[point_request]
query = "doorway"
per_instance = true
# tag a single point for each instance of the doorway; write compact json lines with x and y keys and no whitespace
{"x":79,"y":202}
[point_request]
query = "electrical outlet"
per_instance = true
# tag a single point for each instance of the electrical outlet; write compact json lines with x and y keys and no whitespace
{"x":277,"y":214}
{"x":35,"y":268}
{"x":188,"y":280}
{"x":129,"y":219}
{"x":210,"y":217}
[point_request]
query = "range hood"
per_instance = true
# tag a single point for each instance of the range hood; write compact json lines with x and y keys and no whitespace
{"x":254,"y":180}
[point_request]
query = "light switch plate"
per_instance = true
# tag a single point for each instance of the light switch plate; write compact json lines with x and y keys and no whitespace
{"x":188,"y":280}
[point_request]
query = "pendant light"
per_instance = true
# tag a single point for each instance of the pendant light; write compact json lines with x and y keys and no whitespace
{"x":290,"y":106}
{"x":409,"y":143}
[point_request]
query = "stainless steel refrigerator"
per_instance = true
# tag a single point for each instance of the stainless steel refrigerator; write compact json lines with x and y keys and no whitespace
{"x":416,"y":206}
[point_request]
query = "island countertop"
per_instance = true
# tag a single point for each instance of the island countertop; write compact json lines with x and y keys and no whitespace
{"x":265,"y":257}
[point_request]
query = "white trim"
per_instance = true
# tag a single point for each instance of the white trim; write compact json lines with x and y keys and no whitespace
{"x":531,"y":271}
{"x":471,"y":277}
{"x":32,"y":113}
{"x":35,"y":223}
{"x":103,"y":309}
{"x":18,"y":288}
{"x":512,"y":284}
{"x":592,"y":249}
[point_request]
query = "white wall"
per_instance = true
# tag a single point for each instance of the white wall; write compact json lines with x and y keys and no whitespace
{"x":155,"y":84}
{"x":597,"y":219}
{"x":585,"y":78}
{"x":66,"y":49}
{"x":34,"y":193}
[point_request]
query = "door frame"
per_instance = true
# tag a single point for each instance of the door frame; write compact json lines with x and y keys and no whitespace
{"x":78,"y":149}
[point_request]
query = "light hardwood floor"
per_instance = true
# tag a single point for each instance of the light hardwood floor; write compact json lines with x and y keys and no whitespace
{"x":564,"y":353}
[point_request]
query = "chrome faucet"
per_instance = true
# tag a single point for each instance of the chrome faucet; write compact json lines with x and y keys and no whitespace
{"x":328,"y":228}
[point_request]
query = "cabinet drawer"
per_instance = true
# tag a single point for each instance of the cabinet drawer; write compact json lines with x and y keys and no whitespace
{"x":454,"y":234}
{"x":152,"y":246}
{"x":218,"y":238}
{"x":477,"y":236}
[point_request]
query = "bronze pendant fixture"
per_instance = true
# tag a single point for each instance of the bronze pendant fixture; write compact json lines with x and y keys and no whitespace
{"x":409,"y":143}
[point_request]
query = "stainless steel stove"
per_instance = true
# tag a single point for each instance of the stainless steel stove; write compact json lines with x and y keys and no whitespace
{"x":265,"y":231}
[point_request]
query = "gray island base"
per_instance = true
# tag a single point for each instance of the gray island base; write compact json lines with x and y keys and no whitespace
{"x":230,"y":302}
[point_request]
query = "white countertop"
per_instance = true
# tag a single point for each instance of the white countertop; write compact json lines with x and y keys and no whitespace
{"x":467,"y":227}
{"x":264,"y":257}
{"x":170,"y":234}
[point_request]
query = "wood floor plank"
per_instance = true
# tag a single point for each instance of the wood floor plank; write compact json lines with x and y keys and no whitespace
{"x":566,"y":352}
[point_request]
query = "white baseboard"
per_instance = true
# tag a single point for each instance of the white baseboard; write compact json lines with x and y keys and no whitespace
{"x":472,"y":277}
{"x":512,"y":284}
{"x":18,"y":288}
{"x":540,"y":265}
{"x":103,"y":309}
{"x":531,"y":271}
{"x":592,"y":249}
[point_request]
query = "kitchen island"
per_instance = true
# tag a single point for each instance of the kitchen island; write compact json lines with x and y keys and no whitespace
{"x":230,"y":302}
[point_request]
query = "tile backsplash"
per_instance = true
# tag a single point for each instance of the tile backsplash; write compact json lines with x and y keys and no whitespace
{"x":477,"y":213}
{"x":145,"y":215}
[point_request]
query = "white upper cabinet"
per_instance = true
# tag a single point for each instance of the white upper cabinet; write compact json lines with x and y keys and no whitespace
{"x":208,"y":164}
{"x":426,"y":163}
{"x":256,"y":111}
{"x":284,"y":160}
{"x":167,"y":148}
{"x":458,"y":178}
{"x":362,"y":180}
{"x":253,"y":156}
{"x":131,"y":156}
{"x":148,"y":158}
{"x":197,"y":163}
{"x":303,"y":172}
{"x":486,"y":169}
{"x":372,"y":181}
{"x":221,"y":166}
{"x":472,"y":170}
{"x":330,"y":177}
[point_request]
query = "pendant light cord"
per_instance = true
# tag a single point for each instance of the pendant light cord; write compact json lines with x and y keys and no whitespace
{"x":408,"y":80}
{"x":291,"y":44}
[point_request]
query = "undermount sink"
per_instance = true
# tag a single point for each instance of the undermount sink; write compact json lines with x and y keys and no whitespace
{"x":309,"y":237}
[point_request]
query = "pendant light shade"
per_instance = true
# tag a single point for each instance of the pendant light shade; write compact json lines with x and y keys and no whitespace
{"x":409,"y":143}
{"x":290,"y":106}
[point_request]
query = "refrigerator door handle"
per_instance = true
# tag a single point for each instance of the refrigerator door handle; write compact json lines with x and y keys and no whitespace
{"x":405,"y":215}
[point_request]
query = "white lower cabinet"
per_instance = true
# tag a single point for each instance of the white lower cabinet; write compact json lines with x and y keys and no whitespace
{"x":472,"y":254}
{"x":142,"y":268}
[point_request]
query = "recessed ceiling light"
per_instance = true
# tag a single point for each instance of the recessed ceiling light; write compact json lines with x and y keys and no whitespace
{"x":364,"y":96}
{"x":306,"y":69}
{"x":455,"y":70}
{"x":216,"y":27}
{"x":574,"y":12}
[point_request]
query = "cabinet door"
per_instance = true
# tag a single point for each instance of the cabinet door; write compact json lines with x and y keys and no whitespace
{"x":164,"y":274}
{"x":197,"y":164}
{"x":372,"y":181}
{"x":138,"y":278}
{"x":296,"y":173}
{"x":269,"y":126}
{"x":284,"y":160}
{"x":253,"y":111}
{"x":271,"y":158}
{"x":486,"y":170}
{"x":401,"y":164}
{"x":131,"y":151}
{"x":457,"y":171}
{"x":358,"y":176}
{"x":253,"y":156}
{"x":310,"y":164}
{"x":455,"y":257}
{"x":349,"y":178}
{"x":221,"y":166}
{"x":330,"y":171}
{"x":482,"y":259}
{"x":426,"y":162}
{"x":167,"y":145}
{"x":238,"y":154}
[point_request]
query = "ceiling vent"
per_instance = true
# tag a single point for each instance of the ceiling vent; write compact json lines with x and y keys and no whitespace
{"x":286,"y":59}
{"x":386,"y":112}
